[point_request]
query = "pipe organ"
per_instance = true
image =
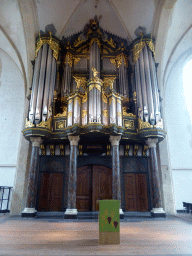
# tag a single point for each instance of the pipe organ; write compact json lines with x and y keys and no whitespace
{"x":94,"y":89}
{"x":88,"y":83}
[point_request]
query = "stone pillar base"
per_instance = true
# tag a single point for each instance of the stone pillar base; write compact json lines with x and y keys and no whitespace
{"x":158,"y":213}
{"x":29,"y":212}
{"x":71,"y":214}
{"x":121,"y":213}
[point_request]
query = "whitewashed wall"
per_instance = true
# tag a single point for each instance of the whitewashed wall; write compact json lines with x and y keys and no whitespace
{"x":11,"y":113}
{"x":179,"y":132}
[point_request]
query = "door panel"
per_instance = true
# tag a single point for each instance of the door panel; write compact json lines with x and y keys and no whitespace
{"x":94,"y":182}
{"x":83,"y":194}
{"x":50,"y":195}
{"x":102,"y":185}
{"x":130,"y":192}
{"x":136,"y":197}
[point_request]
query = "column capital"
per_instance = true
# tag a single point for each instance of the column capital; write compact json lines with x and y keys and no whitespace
{"x":152,"y":142}
{"x":114,"y":140}
{"x":36,"y":141}
{"x":74,"y":140}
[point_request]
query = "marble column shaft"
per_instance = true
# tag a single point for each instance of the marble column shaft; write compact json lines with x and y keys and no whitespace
{"x":154,"y":175}
{"x":72,"y":172}
{"x":33,"y":173}
{"x":116,"y":186}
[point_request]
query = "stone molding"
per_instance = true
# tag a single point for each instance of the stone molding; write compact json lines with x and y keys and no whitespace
{"x":71,"y":212}
{"x":29,"y":210}
{"x":74,"y":140}
{"x":152,"y":143}
{"x":36,"y":141}
{"x":157,"y":210}
{"x":114,"y":140}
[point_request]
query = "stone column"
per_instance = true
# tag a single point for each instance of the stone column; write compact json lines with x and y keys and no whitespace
{"x":71,"y":211}
{"x":157,"y":208}
{"x":116,"y":183}
{"x":30,"y":210}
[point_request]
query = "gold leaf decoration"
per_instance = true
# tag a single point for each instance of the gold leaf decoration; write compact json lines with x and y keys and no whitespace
{"x":159,"y":124}
{"x":84,"y":113}
{"x":70,"y":114}
{"x":45,"y":124}
{"x":81,"y":81}
{"x":137,"y":48}
{"x":84,"y":99}
{"x":54,"y":45}
{"x":108,"y":81}
{"x":129,"y":124}
{"x":143,"y":125}
{"x":105,"y":112}
{"x":104,"y":98}
{"x":63,"y":114}
{"x":28,"y":124}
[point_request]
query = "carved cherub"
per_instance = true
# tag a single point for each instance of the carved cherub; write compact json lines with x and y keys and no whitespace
{"x":95,"y":72}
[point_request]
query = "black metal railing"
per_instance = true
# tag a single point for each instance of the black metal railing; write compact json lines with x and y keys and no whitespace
{"x":4,"y":198}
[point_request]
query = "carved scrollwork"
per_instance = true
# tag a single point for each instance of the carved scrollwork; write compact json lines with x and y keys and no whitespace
{"x":28,"y":124}
{"x":45,"y":124}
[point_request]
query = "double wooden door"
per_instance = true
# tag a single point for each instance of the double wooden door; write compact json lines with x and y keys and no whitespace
{"x":136,"y":195}
{"x":94,"y":182}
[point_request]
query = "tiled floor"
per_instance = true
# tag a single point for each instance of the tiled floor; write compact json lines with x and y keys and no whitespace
{"x":139,"y":236}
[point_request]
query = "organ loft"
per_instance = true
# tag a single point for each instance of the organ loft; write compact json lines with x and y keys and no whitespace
{"x":94,"y":121}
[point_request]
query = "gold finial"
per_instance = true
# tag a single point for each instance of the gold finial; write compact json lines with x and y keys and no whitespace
{"x":95,"y":72}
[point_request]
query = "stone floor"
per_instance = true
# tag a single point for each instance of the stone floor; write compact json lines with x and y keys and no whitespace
{"x":139,"y":236}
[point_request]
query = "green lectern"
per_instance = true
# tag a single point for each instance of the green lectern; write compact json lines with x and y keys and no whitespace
{"x":109,"y":224}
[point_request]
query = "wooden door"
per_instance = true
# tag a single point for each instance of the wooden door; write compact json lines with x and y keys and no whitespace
{"x":102,"y":185}
{"x":83,"y":194}
{"x":94,"y":182}
{"x":136,"y":196}
{"x":50,"y":194}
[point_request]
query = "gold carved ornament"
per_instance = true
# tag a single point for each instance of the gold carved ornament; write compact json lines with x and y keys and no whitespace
{"x":108,"y":81}
{"x":60,"y":125}
{"x":62,"y":149}
{"x":127,"y":114}
{"x":54,"y":45}
{"x":77,"y":99}
{"x":127,"y":147}
{"x":52,"y":149}
{"x":135,"y":150}
{"x":70,"y":113}
{"x":78,"y":41}
{"x":112,"y":99}
{"x":70,"y":58}
{"x":111,"y":42}
{"x":105,"y":112}
{"x":70,"y":101}
{"x":145,"y":148}
{"x":81,"y":81}
{"x":137,"y":48}
{"x":117,"y":61}
{"x":45,"y":124}
{"x":84,"y":99}
{"x":159,"y":124}
{"x":143,"y":125}
{"x":84,"y":113}
{"x":63,"y":114}
{"x":28,"y":124}
{"x":95,"y":40}
{"x":119,"y":114}
{"x":104,"y":97}
{"x":43,"y":150}
{"x":129,"y":124}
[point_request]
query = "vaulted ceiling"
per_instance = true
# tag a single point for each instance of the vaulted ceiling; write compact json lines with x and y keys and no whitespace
{"x":169,"y":21}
